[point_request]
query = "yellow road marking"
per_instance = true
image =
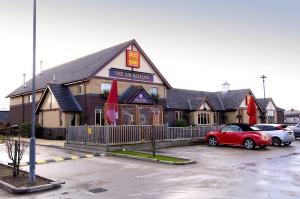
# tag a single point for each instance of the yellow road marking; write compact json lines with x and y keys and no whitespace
{"x":75,"y":157}
{"x":40,"y":161}
{"x":58,"y":159}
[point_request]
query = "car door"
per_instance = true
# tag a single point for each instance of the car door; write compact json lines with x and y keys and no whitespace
{"x":226,"y":131}
{"x":235,"y":137}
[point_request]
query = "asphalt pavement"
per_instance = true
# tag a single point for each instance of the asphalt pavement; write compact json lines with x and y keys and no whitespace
{"x":220,"y":172}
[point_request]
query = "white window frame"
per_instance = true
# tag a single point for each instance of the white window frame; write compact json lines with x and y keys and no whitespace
{"x":178,"y":116}
{"x":101,"y":112}
{"x":80,"y":89}
{"x":105,"y":86}
{"x":205,"y":116}
{"x":154,"y":91}
{"x":30,"y":98}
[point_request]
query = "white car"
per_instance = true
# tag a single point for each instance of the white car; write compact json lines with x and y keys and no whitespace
{"x":296,"y":130}
{"x":279,"y":133}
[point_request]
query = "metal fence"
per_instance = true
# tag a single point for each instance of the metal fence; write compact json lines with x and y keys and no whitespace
{"x":133,"y":134}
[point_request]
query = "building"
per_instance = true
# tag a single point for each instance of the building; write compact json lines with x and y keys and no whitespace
{"x":4,"y":118}
{"x":189,"y":107}
{"x":272,"y":114}
{"x":74,"y":93}
{"x":292,"y":116}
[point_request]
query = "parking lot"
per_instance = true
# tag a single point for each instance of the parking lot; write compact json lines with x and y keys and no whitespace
{"x":220,"y":172}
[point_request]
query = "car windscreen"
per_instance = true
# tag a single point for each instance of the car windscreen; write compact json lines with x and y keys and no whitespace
{"x":254,"y":128}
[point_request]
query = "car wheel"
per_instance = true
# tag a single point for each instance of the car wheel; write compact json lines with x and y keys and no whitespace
{"x":287,"y":144}
{"x":249,"y":144}
{"x":276,"y":141}
{"x":212,"y":141}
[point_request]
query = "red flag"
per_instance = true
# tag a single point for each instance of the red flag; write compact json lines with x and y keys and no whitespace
{"x":251,"y":111}
{"x":111,"y":106}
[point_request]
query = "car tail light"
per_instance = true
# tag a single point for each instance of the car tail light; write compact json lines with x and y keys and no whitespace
{"x":280,"y":128}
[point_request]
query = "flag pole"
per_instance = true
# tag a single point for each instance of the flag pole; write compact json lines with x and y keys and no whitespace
{"x":32,"y":139}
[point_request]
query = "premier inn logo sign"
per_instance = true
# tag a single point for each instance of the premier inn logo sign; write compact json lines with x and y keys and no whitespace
{"x":132,"y":59}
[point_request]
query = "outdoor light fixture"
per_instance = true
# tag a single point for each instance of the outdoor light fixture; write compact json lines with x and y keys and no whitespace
{"x":264,"y":77}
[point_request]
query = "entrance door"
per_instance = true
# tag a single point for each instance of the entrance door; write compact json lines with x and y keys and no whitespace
{"x":99,"y":117}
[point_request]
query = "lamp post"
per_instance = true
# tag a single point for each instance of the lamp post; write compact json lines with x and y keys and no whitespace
{"x":264,"y":111}
{"x":32,"y":139}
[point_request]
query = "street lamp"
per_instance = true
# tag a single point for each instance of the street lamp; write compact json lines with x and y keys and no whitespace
{"x":264,"y":77}
{"x":32,"y":139}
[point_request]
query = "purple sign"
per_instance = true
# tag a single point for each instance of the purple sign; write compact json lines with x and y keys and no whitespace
{"x":132,"y":75}
{"x":141,"y":98}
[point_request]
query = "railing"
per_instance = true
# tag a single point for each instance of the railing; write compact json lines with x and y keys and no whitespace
{"x":133,"y":134}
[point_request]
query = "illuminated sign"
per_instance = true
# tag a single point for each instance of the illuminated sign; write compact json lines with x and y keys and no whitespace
{"x":132,"y":58}
{"x":131,"y":75}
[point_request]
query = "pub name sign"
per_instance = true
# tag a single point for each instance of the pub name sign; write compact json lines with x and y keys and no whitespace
{"x":132,"y":59}
{"x":130,"y":75}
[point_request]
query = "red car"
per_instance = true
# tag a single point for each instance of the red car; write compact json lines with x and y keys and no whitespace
{"x":239,"y":135}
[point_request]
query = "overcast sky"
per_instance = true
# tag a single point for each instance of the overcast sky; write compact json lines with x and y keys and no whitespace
{"x":195,"y":44}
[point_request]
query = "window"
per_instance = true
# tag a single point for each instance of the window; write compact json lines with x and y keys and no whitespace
{"x":80,"y":89}
{"x":99,"y":117}
{"x":154,"y":91}
{"x":105,"y":86}
{"x":216,"y":118}
{"x":178,"y":116}
{"x":271,"y":117}
{"x":231,"y":128}
{"x":203,"y":118}
{"x":60,"y":119}
{"x":30,"y":98}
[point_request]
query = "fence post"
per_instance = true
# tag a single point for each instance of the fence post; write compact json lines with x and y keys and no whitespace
{"x":106,"y":138}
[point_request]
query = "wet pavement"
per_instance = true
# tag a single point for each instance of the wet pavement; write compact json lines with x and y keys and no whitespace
{"x":220,"y":172}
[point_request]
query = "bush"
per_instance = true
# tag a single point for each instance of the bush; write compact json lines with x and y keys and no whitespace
{"x":25,"y":130}
{"x":181,"y":123}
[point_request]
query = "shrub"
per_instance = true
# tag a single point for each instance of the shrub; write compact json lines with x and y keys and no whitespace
{"x":105,"y":94}
{"x":155,"y":97}
{"x":25,"y":130}
{"x":181,"y":123}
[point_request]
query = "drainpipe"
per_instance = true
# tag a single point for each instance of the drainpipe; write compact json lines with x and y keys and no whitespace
{"x":85,"y":107}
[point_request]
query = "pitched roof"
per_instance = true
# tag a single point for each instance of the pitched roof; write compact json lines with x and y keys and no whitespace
{"x":81,"y":69}
{"x":292,"y":113}
{"x":191,"y":99}
{"x":64,"y":97}
{"x":232,"y":99}
{"x":131,"y":92}
{"x":264,"y":104}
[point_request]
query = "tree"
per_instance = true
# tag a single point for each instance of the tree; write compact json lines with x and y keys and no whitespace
{"x":15,"y":149}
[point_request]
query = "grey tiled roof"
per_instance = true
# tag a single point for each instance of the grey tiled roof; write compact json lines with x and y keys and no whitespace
{"x":191,"y":100}
{"x":232,"y":99}
{"x":64,"y":97}
{"x":292,"y":113}
{"x":76,"y":70}
{"x":264,"y":103}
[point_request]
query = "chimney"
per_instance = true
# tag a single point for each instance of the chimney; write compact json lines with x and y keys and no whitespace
{"x":53,"y":78}
{"x":41,"y":67}
{"x":226,"y":87}
{"x":24,"y":81}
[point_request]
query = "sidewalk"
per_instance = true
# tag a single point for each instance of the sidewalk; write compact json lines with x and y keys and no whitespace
{"x":49,"y":143}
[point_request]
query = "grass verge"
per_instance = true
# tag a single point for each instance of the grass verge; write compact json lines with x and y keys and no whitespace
{"x":150,"y":156}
